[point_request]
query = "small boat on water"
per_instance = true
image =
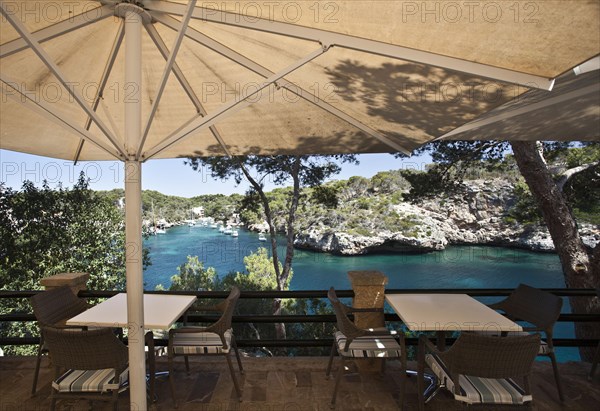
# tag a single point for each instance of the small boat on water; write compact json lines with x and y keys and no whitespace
{"x":235,"y":233}
{"x":228,"y":230}
{"x":157,"y":230}
{"x":262,"y":237}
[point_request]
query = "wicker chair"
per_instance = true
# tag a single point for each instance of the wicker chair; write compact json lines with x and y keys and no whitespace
{"x":541,"y":310}
{"x":351,"y":342}
{"x":479,"y":369}
{"x":216,"y":339}
{"x":95,"y":363}
{"x":53,"y":308}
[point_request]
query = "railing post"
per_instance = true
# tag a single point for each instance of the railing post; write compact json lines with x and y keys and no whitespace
{"x":76,"y":281}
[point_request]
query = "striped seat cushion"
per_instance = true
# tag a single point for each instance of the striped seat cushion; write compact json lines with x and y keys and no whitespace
{"x":90,"y":381}
{"x":544,"y":348}
{"x":477,"y":390}
{"x":201,"y":343}
{"x":380,"y":346}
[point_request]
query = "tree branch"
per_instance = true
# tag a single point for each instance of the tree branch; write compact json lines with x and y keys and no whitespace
{"x":566,"y":175}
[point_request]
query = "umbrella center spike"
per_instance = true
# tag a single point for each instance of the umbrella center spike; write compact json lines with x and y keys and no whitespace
{"x":122,"y":8}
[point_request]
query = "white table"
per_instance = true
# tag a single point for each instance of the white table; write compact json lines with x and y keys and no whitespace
{"x":160,"y":311}
{"x":448,"y":312}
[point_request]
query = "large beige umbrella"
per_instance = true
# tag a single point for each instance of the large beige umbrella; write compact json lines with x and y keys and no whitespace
{"x":100,"y":80}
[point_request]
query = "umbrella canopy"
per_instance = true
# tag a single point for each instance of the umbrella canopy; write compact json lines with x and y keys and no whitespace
{"x":134,"y":80}
{"x":268,"y":78}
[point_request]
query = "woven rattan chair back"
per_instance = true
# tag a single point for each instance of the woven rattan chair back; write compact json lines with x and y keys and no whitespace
{"x":56,"y":305}
{"x":344,"y":324}
{"x":230,"y":303}
{"x":492,"y":357}
{"x":535,"y":306}
{"x":85,"y":350}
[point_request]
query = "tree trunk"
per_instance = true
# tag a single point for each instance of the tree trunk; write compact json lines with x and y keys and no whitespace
{"x":280,"y":332}
{"x":282,"y":279}
{"x":581,"y":269}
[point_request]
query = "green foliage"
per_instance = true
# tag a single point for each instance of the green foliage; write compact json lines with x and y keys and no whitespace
{"x":389,"y":182}
{"x":326,"y":195}
{"x":525,"y":209}
{"x":364,"y":203}
{"x":44,"y":232}
{"x":193,"y":276}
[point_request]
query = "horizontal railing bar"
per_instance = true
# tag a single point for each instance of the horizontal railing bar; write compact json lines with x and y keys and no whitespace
{"x":320,"y":318}
{"x":325,"y":342}
{"x":480,"y":292}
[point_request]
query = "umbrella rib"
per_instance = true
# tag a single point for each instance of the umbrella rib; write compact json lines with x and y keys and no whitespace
{"x":41,"y":53}
{"x":356,"y":43}
{"x":477,"y":123}
{"x":56,"y":30}
{"x":264,"y":72}
{"x":229,"y":108}
{"x":162,"y":47}
{"x":167,"y":71}
{"x":42,"y":108}
{"x":103,"y":81}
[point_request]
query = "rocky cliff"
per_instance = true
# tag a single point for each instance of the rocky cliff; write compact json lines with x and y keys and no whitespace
{"x":475,"y":215}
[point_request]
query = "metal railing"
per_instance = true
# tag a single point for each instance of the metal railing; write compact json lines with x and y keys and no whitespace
{"x":310,"y":318}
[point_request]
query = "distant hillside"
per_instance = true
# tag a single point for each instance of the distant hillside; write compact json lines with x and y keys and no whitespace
{"x":175,"y":209}
{"x":362,"y":215}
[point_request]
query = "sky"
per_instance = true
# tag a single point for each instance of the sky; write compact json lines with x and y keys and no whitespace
{"x":171,"y":176}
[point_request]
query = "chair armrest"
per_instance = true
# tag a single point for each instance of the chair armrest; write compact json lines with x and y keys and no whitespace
{"x":424,"y":346}
{"x":378,"y":333}
{"x":63,"y":326}
{"x":187,"y":330}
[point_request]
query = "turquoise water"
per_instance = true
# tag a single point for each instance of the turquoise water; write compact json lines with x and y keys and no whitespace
{"x":455,"y":267}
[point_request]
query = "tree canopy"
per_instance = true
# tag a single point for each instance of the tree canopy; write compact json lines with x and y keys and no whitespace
{"x":47,"y":231}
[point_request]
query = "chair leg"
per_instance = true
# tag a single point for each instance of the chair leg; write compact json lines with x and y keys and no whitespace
{"x":36,"y":374}
{"x":338,"y":378}
{"x":235,"y":381}
{"x":187,"y":364}
{"x":149,"y":337}
{"x":115,"y":400}
{"x":53,"y":404}
{"x":421,"y":381}
{"x":557,"y":376}
{"x":595,"y":362}
{"x":237,"y":354}
{"x":403,"y":378}
{"x":382,"y":370}
{"x":333,"y":350}
{"x":171,"y":383}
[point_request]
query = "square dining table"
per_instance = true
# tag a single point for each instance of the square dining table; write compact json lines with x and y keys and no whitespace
{"x":448,"y":312}
{"x":160,"y":311}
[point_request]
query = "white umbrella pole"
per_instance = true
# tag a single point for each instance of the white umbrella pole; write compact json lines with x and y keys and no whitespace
{"x":133,"y":211}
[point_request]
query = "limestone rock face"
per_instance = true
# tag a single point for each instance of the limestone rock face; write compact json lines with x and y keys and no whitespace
{"x":476,"y":216}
